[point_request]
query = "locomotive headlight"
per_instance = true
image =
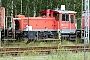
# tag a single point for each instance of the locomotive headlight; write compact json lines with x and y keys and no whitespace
{"x":82,"y":32}
{"x":76,"y":25}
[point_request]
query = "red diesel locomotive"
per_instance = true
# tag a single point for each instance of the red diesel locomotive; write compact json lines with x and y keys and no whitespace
{"x":47,"y":25}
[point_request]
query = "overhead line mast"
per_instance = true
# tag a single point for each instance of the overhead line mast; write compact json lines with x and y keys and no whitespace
{"x":86,"y":21}
{"x":86,"y":25}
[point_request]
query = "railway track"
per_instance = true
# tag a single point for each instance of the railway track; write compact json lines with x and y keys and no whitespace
{"x":46,"y":50}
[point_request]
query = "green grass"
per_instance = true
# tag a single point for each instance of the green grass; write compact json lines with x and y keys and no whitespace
{"x":64,"y":42}
{"x":33,"y":43}
{"x":65,"y":55}
{"x":39,"y":43}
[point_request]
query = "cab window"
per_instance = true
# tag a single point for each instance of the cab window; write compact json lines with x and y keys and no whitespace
{"x":72,"y":18}
{"x":56,"y":15}
{"x":65,"y":17}
{"x":44,"y":14}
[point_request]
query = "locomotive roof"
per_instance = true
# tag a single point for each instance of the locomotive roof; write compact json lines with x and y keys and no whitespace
{"x":60,"y":11}
{"x":65,"y":11}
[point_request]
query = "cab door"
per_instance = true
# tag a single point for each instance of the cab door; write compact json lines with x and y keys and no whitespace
{"x":65,"y":22}
{"x":72,"y":21}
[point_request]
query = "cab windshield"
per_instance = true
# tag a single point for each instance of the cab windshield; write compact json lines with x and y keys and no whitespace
{"x":65,"y":17}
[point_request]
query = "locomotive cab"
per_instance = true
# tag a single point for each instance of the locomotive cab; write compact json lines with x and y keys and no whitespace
{"x":64,"y":21}
{"x":67,"y":23}
{"x":47,"y":24}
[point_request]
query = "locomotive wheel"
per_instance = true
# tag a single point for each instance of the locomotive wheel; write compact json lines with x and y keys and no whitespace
{"x":26,"y":40}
